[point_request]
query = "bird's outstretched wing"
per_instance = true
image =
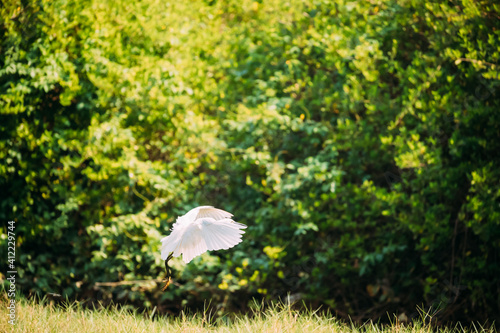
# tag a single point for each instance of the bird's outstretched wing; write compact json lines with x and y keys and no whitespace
{"x":206,"y":211}
{"x":199,"y":212}
{"x":205,"y":234}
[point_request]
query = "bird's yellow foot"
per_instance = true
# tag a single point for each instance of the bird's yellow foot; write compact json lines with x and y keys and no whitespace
{"x":168,"y":282}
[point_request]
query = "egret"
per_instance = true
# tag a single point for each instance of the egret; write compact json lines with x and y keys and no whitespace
{"x":202,"y":229}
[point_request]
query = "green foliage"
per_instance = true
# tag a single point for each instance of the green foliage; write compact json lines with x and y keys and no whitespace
{"x":358,"y":140}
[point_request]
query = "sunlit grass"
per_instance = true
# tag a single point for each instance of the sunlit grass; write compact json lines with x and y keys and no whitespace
{"x":71,"y":317}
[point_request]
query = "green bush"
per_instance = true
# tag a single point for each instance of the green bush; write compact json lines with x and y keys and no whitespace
{"x":358,"y":140}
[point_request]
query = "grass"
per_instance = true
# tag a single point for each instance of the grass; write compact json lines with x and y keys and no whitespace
{"x":71,"y":317}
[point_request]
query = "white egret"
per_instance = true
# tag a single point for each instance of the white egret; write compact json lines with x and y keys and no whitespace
{"x":202,"y":229}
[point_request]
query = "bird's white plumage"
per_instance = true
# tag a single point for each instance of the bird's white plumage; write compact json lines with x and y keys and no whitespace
{"x":202,"y":229}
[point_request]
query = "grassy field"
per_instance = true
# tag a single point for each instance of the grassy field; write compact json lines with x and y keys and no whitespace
{"x":44,"y":317}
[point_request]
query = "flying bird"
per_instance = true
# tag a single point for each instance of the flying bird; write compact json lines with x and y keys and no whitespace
{"x":202,"y":229}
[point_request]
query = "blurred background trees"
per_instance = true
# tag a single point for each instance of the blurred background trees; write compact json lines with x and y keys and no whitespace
{"x":358,"y":140}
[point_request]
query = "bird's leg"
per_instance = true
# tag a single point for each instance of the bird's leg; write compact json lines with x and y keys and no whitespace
{"x":168,"y":279}
{"x":167,"y":267}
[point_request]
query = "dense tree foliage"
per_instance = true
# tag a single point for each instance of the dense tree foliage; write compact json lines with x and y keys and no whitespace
{"x":359,"y":140}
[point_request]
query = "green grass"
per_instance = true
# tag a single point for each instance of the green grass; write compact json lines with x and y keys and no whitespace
{"x":71,"y":317}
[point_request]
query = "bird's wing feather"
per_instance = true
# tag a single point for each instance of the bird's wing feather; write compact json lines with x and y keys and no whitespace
{"x":187,"y":241}
{"x":206,"y":234}
{"x":215,"y":213}
{"x":221,"y":234}
{"x":200,"y":212}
